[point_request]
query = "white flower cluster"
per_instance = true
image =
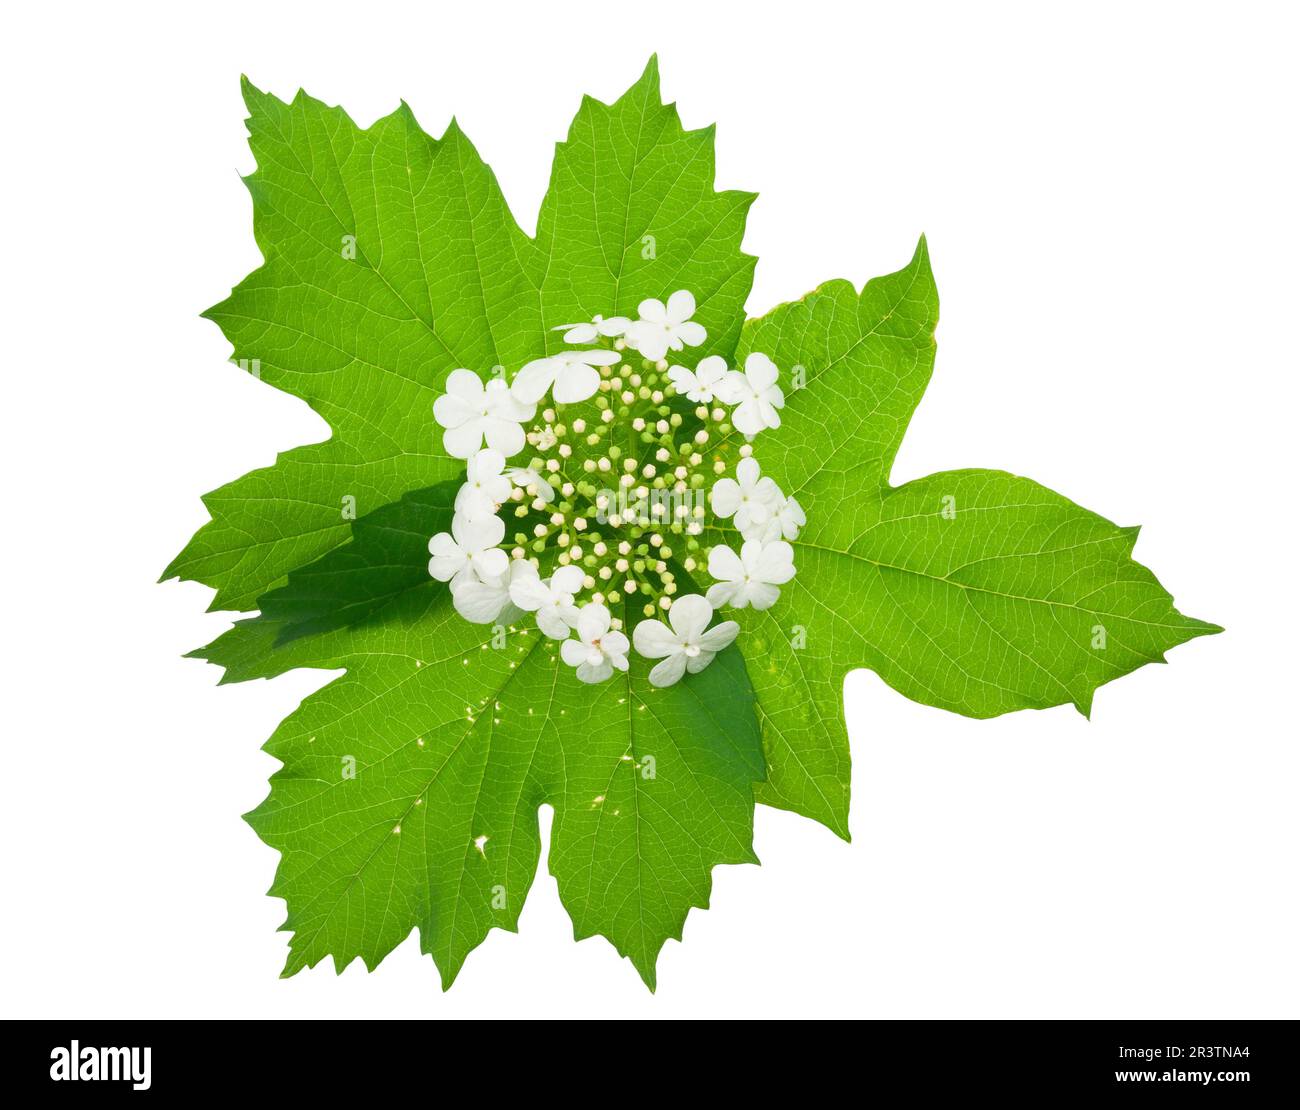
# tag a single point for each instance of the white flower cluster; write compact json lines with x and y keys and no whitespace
{"x":610,"y":505}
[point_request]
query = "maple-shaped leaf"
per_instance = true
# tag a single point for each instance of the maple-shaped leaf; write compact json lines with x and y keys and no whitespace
{"x":973,"y":590}
{"x":410,"y":786}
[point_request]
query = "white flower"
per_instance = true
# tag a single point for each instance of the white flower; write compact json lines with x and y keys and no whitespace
{"x":664,"y":327}
{"x":755,"y":395}
{"x":752,"y":499}
{"x":471,"y":547}
{"x":702,"y":385}
{"x":485,"y":486}
{"x":472,"y":413}
{"x":784,"y":523}
{"x":752,"y":577}
{"x":531,"y":482}
{"x":551,"y":600}
{"x":598,"y":649}
{"x":484,"y":600}
{"x":686,"y":646}
{"x":587,"y":333}
{"x":569,"y":375}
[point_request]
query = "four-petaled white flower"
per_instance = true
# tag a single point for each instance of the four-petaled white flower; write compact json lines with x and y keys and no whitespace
{"x":484,"y":600}
{"x":472,"y":412}
{"x":785,"y":521}
{"x":751,"y":498}
{"x":571,"y":376}
{"x":531,"y":482}
{"x":598,"y":648}
{"x":665,"y":327}
{"x":752,"y":577}
{"x":485,"y":486}
{"x":551,"y":600}
{"x":689,"y":645}
{"x":588,"y":333}
{"x":755,"y":395}
{"x":702,"y":385}
{"x":470,"y":548}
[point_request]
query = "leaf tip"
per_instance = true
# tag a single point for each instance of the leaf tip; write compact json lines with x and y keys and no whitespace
{"x":1084,"y":704}
{"x":648,"y":974}
{"x":648,"y":81}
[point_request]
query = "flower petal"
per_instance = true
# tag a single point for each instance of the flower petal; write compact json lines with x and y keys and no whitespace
{"x":746,"y":418}
{"x":684,"y":381}
{"x":691,"y":333}
{"x":681,"y":306}
{"x":480,"y":603}
{"x":473,"y":504}
{"x":578,"y":333}
{"x":724,"y":498}
{"x":573,"y":652}
{"x":493,"y":562}
{"x":593,"y":621}
{"x":504,"y":436}
{"x":722,"y":593}
{"x":719,"y":636}
{"x":654,"y":640}
{"x":761,"y":371}
{"x":574,"y":383}
{"x":530,"y":594}
{"x":461,"y":442}
{"x":711,"y":370}
{"x":649,"y":339}
{"x":485,"y":464}
{"x":776,"y":563}
{"x":792,"y":518}
{"x":725,"y":564}
{"x":597,"y":672}
{"x":733,"y":388}
{"x":532,"y":382}
{"x":567,"y":580}
{"x":451,"y":411}
{"x":697,"y":663}
{"x":614,"y":325}
{"x":668,"y":671}
{"x":479,"y":534}
{"x":690,"y":616}
{"x":653,"y":310}
{"x":552,"y":623}
{"x":445,"y":567}
{"x":466,"y":385}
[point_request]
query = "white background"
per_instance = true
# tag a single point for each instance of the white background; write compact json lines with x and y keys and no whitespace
{"x":1110,"y":197}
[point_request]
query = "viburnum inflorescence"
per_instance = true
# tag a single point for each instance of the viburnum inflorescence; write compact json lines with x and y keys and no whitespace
{"x":591,"y":478}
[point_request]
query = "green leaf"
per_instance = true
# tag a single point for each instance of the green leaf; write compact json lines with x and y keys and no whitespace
{"x":975,"y":591}
{"x":631,"y":213}
{"x":441,"y":734}
{"x":387,"y":556}
{"x":392,"y":258}
{"x":409,"y":786}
